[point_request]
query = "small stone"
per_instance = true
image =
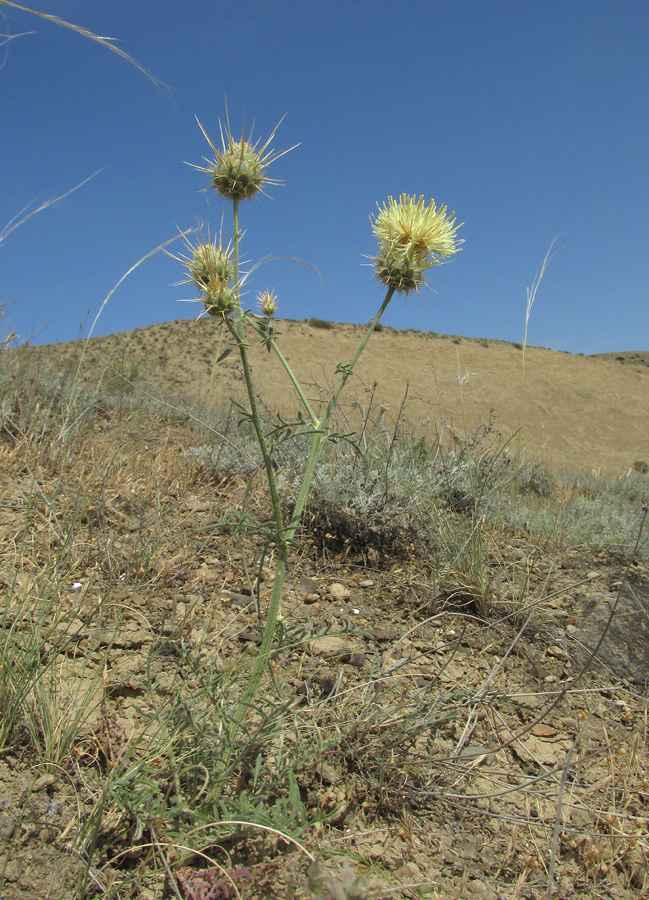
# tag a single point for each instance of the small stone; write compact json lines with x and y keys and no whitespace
{"x":7,"y":828}
{"x":329,"y":647}
{"x":338,"y":592}
{"x":357,"y":660}
{"x":307,"y":585}
{"x":327,"y":685}
{"x":252,"y":637}
{"x":44,"y":783}
{"x":382,"y":634}
{"x":368,"y":583}
{"x":311,"y":598}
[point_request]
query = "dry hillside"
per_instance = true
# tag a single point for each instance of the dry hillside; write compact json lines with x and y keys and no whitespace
{"x":579,"y":413}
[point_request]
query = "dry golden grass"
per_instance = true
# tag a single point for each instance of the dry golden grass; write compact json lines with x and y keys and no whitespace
{"x":579,"y":413}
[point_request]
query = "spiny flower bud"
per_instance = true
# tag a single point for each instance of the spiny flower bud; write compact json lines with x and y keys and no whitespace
{"x":210,"y":266}
{"x":238,"y":170}
{"x":221,"y":302}
{"x":267,"y":303}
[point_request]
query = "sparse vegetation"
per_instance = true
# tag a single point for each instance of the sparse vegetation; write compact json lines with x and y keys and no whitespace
{"x":320,"y":323}
{"x":131,"y":565}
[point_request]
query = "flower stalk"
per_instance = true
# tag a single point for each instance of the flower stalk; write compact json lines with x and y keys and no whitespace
{"x":411,"y":237}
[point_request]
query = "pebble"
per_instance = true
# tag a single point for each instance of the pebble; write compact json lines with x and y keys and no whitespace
{"x":7,"y":828}
{"x":383,"y":634}
{"x":329,"y":646}
{"x":249,"y":637}
{"x":307,"y":585}
{"x":44,"y":783}
{"x":338,"y":592}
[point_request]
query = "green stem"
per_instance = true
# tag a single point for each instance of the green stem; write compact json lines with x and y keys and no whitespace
{"x":256,"y":423}
{"x":235,"y":255}
{"x":267,"y":638}
{"x":285,"y":536}
{"x":349,"y":368}
{"x":296,"y":384}
{"x":321,"y":435}
{"x":237,"y":332}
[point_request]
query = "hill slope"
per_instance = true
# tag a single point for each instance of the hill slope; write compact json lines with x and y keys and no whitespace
{"x":579,"y":413}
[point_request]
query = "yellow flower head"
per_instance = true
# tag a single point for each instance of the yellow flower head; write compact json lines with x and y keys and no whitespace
{"x":412,"y":238}
{"x":238,"y":170}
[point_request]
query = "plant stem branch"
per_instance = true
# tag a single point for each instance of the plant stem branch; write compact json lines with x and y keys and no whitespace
{"x":285,"y":536}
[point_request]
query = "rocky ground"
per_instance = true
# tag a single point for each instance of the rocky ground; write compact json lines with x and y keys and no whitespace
{"x":444,"y":753}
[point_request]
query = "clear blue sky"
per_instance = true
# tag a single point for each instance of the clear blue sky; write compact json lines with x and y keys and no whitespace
{"x":529,"y":118}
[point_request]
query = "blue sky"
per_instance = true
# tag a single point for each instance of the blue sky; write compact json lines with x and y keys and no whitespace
{"x":529,"y":118}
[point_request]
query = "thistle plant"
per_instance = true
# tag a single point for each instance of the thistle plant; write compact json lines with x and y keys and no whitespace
{"x":412,"y":237}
